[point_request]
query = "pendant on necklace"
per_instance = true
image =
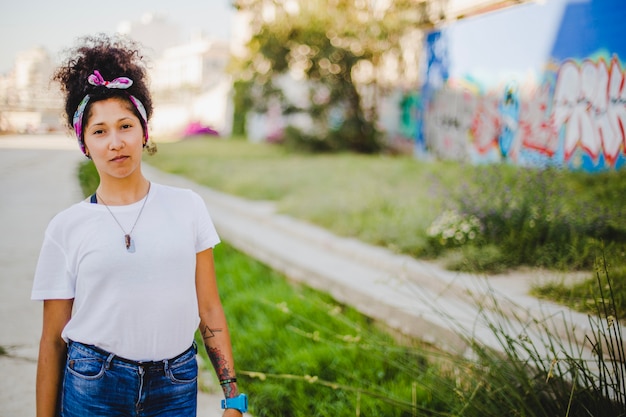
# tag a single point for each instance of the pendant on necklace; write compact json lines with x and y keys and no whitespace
{"x":130,"y":243}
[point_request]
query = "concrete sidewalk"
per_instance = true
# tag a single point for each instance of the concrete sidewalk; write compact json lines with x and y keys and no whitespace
{"x":38,"y":179}
{"x":34,"y":184}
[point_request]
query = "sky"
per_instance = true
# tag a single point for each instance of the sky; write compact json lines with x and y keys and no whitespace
{"x":56,"y":24}
{"x":516,"y":42}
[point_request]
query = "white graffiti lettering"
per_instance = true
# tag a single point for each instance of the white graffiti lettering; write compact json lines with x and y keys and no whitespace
{"x":589,"y":102}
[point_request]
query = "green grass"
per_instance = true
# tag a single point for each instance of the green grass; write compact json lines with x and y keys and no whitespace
{"x":584,"y":296}
{"x":300,"y":353}
{"x":548,"y":219}
{"x":387,"y":201}
{"x":304,"y":354}
{"x":552,"y":219}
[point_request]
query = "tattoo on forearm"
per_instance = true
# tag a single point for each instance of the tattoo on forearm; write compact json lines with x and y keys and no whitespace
{"x":208,"y":333}
{"x":219,"y":363}
{"x":230,"y":390}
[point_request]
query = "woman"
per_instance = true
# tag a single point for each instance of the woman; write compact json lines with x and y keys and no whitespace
{"x":126,"y":276}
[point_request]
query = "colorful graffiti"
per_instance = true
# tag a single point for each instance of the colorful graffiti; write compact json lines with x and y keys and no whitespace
{"x":590,"y":102}
{"x":436,"y":76}
{"x":447,"y":122}
{"x":409,"y":115}
{"x":575,"y":118}
{"x":538,"y":85}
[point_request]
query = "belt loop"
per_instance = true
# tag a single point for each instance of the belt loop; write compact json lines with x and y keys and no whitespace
{"x":166,"y":366}
{"x":107,"y":364}
{"x":195,"y":347}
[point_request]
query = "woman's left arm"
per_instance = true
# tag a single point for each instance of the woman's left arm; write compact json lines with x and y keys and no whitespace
{"x":213,"y":326}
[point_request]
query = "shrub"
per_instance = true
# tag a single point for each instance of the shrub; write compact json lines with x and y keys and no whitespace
{"x":352,"y":135}
{"x":533,"y":216}
{"x":471,"y":258}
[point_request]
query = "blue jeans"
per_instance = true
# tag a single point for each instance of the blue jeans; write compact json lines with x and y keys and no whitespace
{"x":99,"y":384}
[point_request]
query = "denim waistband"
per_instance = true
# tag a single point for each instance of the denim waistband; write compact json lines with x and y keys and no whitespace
{"x":111,"y":357}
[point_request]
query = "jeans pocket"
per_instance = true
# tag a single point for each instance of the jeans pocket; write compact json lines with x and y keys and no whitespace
{"x":86,"y":368}
{"x":185,"y":372}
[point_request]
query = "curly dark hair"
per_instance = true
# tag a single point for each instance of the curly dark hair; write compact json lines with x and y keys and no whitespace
{"x":114,"y":56}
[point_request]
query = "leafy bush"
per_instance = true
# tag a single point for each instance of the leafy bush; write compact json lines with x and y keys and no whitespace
{"x":533,"y":216}
{"x":351,"y":135}
{"x":476,"y":259}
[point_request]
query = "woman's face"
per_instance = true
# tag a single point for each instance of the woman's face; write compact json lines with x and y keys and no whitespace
{"x":114,"y":138}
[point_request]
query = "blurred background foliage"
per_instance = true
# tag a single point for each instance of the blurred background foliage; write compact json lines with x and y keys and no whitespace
{"x":335,"y":48}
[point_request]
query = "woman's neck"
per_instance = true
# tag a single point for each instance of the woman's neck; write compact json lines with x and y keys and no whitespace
{"x":122,"y":192}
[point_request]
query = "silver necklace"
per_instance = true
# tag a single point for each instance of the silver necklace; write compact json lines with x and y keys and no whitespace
{"x":128,"y":241}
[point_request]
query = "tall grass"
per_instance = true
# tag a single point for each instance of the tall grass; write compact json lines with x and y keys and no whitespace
{"x":304,"y":354}
{"x":584,"y":295}
{"x":541,"y":373}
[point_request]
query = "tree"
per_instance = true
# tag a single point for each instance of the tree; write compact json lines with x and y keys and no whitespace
{"x":336,"y":47}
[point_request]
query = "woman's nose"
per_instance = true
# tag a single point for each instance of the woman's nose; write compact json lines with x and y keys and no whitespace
{"x":116,"y":141}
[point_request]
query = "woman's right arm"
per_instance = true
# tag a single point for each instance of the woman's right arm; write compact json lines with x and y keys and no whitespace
{"x":52,"y":353}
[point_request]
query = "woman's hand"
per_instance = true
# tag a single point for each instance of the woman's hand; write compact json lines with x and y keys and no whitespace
{"x":232,"y":412}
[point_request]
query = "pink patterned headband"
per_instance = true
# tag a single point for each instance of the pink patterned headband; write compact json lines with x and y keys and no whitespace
{"x":121,"y":83}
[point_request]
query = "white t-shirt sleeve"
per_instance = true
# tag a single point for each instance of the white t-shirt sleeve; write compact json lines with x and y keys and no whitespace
{"x":53,"y":279}
{"x":206,"y":236}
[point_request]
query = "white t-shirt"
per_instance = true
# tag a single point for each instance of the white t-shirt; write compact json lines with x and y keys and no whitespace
{"x":141,"y":305}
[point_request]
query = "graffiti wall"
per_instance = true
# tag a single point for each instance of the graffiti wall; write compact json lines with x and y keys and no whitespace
{"x":538,"y":84}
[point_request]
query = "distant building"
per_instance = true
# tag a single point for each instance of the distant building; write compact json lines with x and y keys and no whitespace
{"x":188,"y":80}
{"x":28,"y":100}
{"x":153,"y":31}
{"x":191,"y":86}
